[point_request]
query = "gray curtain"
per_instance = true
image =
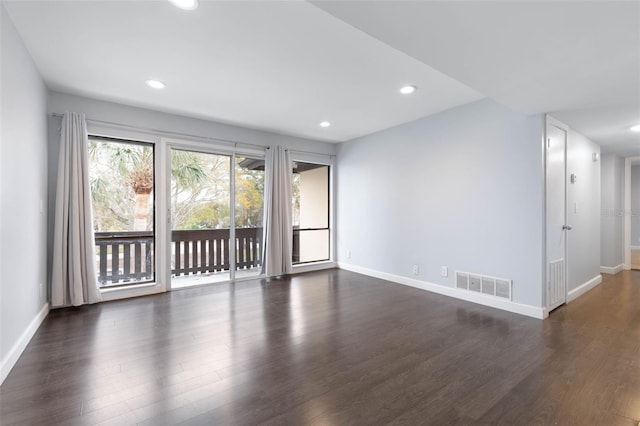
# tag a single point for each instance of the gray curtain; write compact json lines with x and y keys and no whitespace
{"x":73,"y":279}
{"x":278,"y":231}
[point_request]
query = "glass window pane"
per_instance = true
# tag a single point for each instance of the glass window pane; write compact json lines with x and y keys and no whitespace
{"x":310,"y":212}
{"x":200,"y":218}
{"x":249,"y":209}
{"x":122,"y":180}
{"x":314,"y":245}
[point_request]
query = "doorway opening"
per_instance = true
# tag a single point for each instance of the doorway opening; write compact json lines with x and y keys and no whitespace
{"x":216,"y":207}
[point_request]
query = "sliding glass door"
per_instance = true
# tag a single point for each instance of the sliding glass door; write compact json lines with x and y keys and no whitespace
{"x":216,"y":217}
{"x":208,"y":213}
{"x":200,"y":203}
{"x":248,"y":215}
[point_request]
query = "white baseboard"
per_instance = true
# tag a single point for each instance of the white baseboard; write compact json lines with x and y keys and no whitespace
{"x":583,"y":288}
{"x":635,"y":247}
{"x":14,"y":353}
{"x":481,"y":299}
{"x":610,"y":270}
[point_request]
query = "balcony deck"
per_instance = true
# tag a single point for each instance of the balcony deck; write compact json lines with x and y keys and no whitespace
{"x":128,"y":257}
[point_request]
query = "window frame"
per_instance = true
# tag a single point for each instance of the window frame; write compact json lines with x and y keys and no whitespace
{"x":146,"y":284}
{"x":324,"y":160}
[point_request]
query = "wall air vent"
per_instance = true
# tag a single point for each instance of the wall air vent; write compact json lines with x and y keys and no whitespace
{"x":462,"y":280}
{"x":490,"y":286}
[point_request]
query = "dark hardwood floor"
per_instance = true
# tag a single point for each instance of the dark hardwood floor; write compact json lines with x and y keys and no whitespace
{"x":331,"y":348}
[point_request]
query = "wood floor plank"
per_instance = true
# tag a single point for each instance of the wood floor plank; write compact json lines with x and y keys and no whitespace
{"x":330,"y":347}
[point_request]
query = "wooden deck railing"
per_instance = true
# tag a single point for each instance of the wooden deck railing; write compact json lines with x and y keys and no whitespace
{"x":125,"y":257}
{"x":207,"y":250}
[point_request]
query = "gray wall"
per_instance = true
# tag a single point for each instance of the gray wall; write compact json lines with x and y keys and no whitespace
{"x":140,"y":117}
{"x":583,"y":262}
{"x":635,"y":205}
{"x":612,"y":219}
{"x":462,"y":188}
{"x":23,"y":181}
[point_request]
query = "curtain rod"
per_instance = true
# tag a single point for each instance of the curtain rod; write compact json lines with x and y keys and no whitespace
{"x":165,"y":132}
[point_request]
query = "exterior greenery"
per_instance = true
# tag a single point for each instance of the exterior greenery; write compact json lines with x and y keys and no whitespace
{"x":123,"y":184}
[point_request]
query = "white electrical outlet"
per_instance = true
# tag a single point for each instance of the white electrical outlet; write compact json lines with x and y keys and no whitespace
{"x":348,"y":254}
{"x":416,"y":269}
{"x":41,"y":290}
{"x":444,"y":271}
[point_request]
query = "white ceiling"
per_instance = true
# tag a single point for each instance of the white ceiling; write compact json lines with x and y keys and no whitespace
{"x":286,"y":66}
{"x":578,"y":60}
{"x":279,"y":66}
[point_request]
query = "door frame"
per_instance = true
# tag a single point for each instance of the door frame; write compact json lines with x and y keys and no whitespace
{"x":159,"y":285}
{"x":207,"y":148}
{"x":628,"y":162}
{"x":550,"y":121}
{"x":326,"y":160}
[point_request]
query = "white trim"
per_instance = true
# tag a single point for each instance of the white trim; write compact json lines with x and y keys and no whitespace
{"x":481,"y":299}
{"x":134,"y":290}
{"x":212,"y":148}
{"x":551,"y":121}
{"x":583,"y":288}
{"x":14,"y":353}
{"x":627,"y":210}
{"x":611,"y":270}
{"x":312,"y":157}
{"x":232,"y":216}
{"x":316,"y":266}
{"x":543,"y":215}
{"x":325,"y":160}
{"x":635,"y":247}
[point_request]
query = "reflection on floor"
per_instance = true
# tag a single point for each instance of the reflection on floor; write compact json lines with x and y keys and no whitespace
{"x":635,"y":259}
{"x":185,"y":281}
{"x":331,"y":348}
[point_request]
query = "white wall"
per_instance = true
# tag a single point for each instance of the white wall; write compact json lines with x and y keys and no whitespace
{"x":635,"y":205}
{"x":23,"y":182}
{"x":462,"y":188}
{"x":612,"y":219}
{"x":583,"y":203}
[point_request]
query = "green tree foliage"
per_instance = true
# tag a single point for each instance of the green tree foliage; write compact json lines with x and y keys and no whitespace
{"x":121,"y":179}
{"x":249,"y":198}
{"x":122,"y":184}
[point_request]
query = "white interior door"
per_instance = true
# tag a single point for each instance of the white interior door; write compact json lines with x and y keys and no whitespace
{"x":557,"y":228}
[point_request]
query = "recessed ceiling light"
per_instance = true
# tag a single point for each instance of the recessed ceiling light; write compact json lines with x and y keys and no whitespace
{"x":185,"y":4}
{"x":407,"y":90}
{"x":635,"y":128}
{"x":156,"y":84}
{"x":325,"y":124}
